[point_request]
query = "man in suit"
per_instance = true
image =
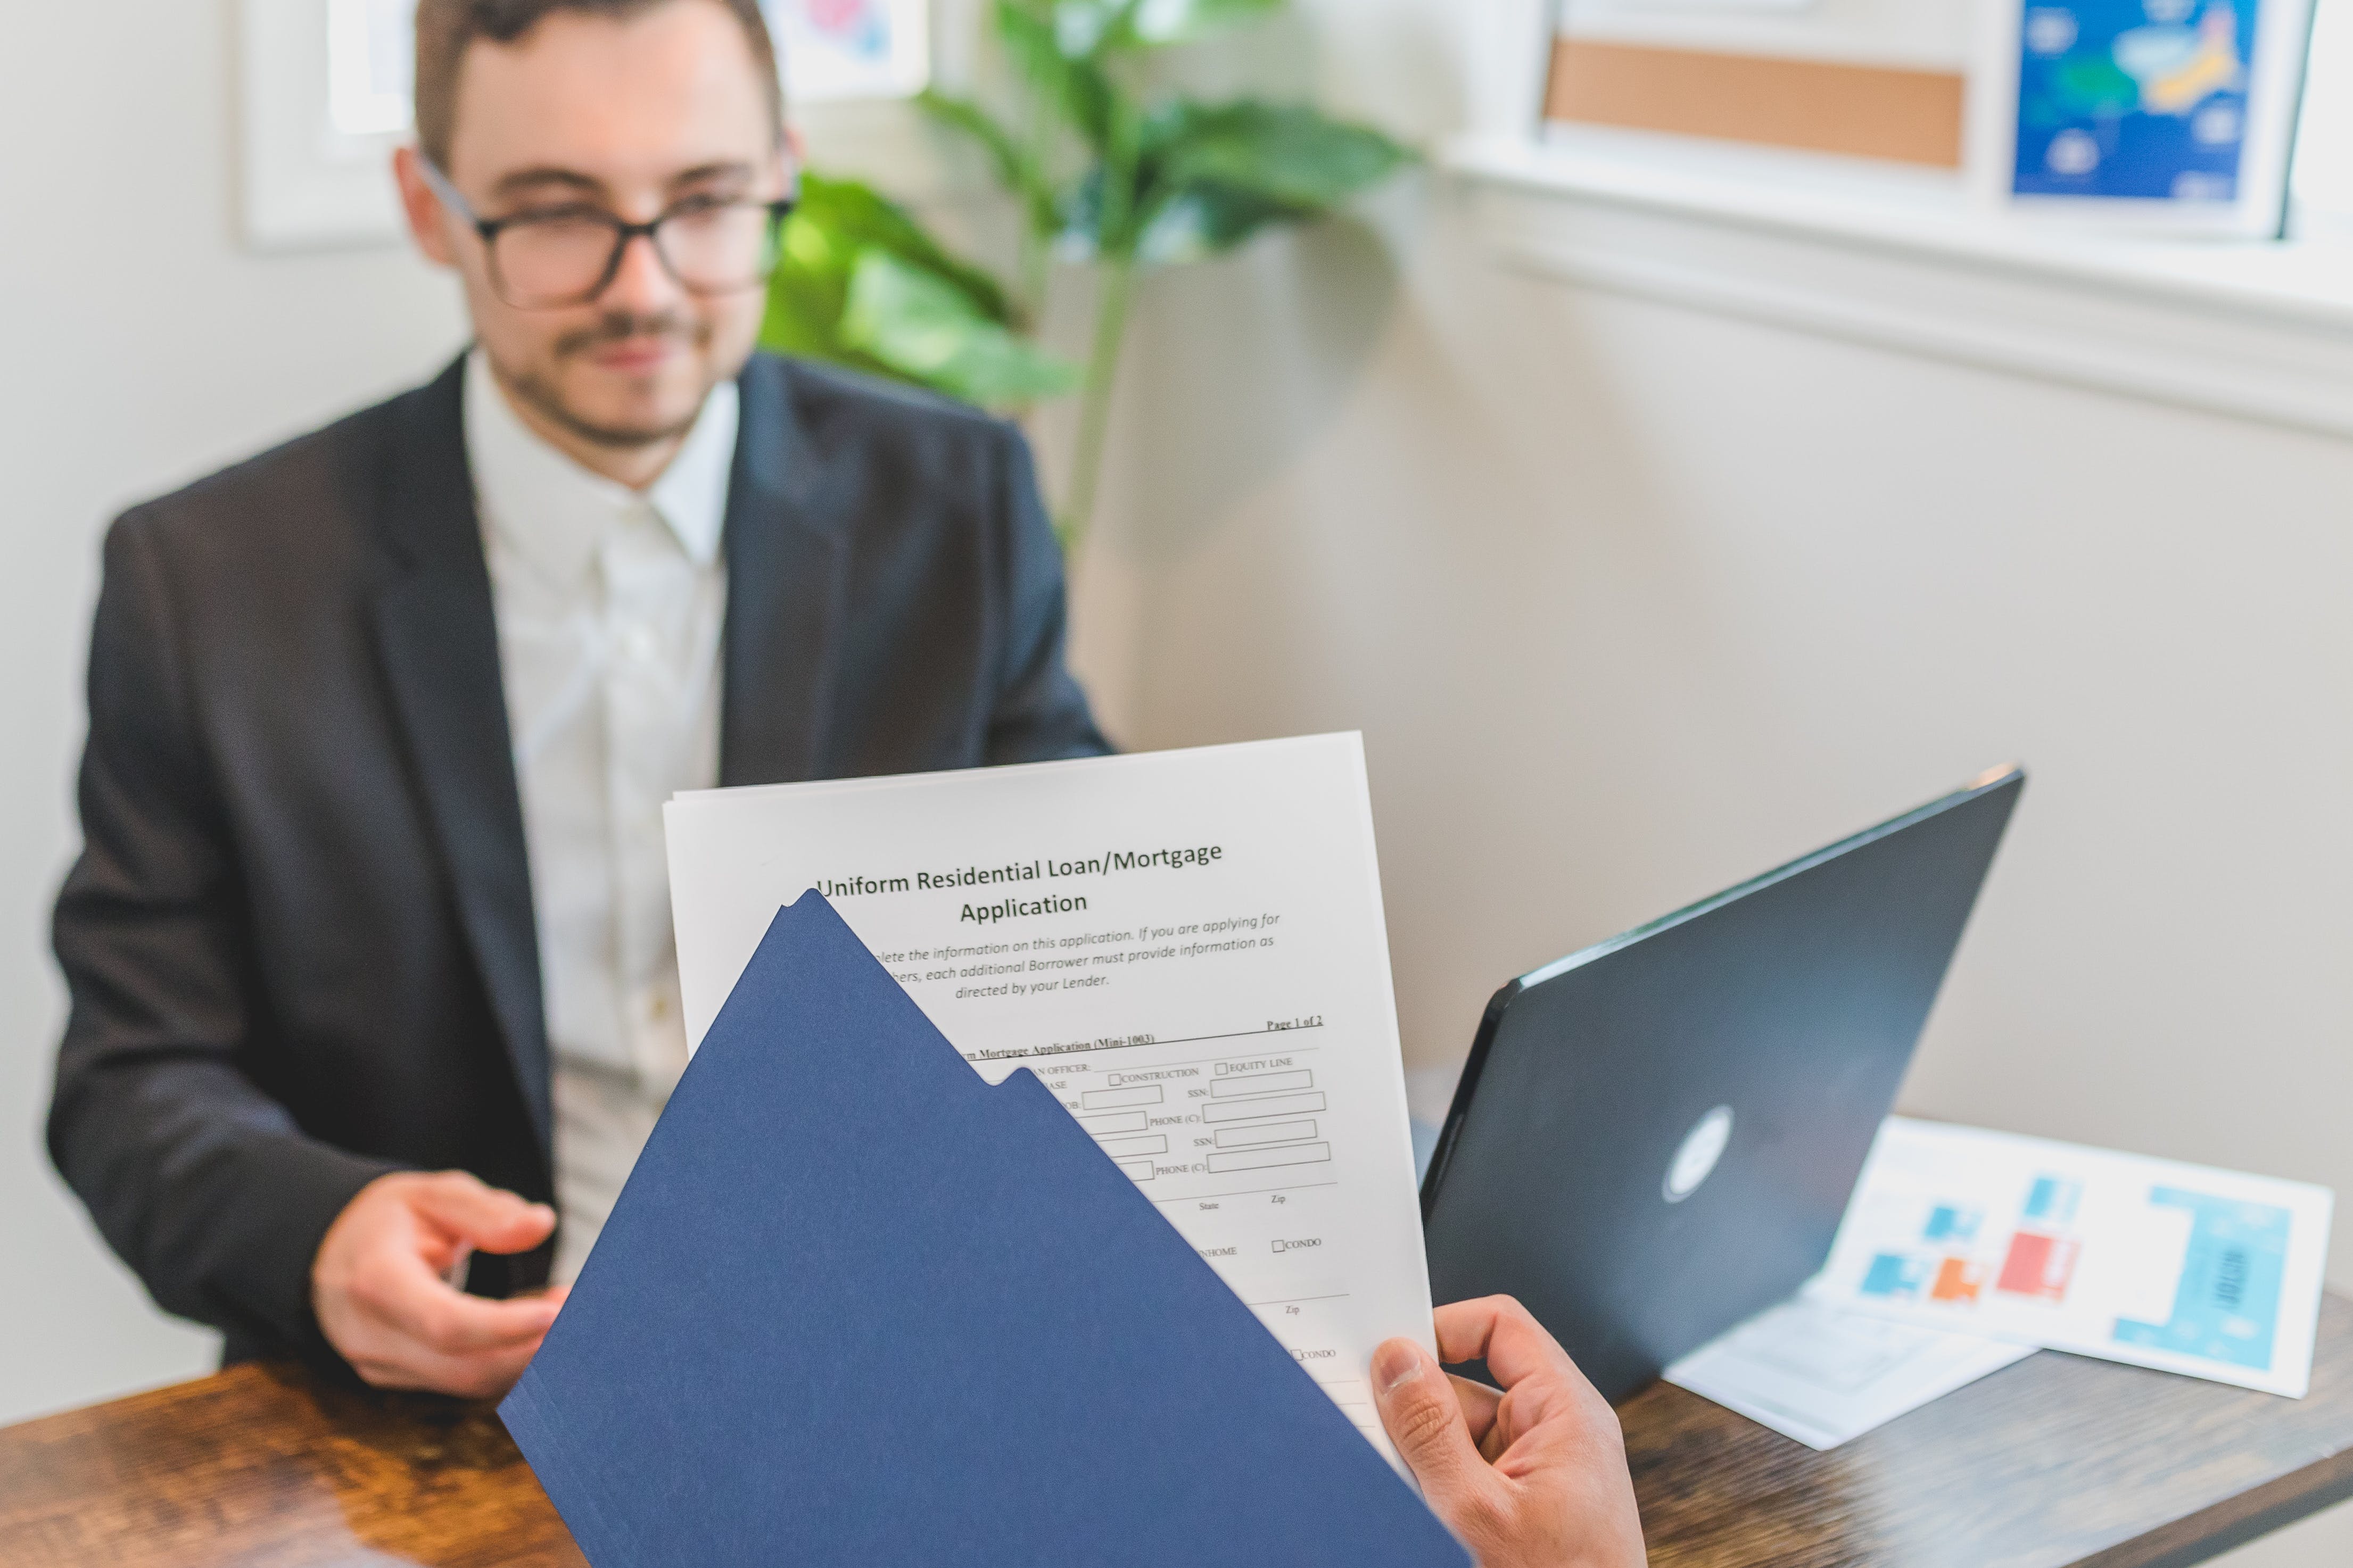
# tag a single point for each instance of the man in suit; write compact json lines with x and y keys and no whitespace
{"x":368,"y":946}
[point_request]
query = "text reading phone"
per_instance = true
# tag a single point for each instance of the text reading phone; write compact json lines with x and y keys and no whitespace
{"x":1654,"y":1139}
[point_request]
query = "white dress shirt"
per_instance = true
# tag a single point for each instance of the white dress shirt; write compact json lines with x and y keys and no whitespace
{"x":610,"y":604}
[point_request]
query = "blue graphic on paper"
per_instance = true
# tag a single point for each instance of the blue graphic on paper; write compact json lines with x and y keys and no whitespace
{"x":1948,"y":1222}
{"x":2054,"y":1200}
{"x":1892,"y":1274}
{"x":2134,"y":98}
{"x":2227,"y":1305}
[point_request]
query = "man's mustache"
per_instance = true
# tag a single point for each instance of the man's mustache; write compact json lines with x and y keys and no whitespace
{"x":628,"y":326}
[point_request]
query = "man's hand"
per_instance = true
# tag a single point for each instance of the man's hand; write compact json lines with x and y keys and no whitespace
{"x":1533,"y":1477}
{"x":380,"y":1290}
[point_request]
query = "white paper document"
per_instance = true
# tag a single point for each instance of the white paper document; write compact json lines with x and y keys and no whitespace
{"x":1823,"y":1376}
{"x":2182,"y":1267}
{"x":1187,"y":948}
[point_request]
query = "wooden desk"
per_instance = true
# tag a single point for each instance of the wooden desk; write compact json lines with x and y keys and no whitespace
{"x":2053,"y":1461}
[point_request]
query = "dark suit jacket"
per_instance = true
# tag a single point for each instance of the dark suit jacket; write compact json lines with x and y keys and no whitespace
{"x":300,"y":939}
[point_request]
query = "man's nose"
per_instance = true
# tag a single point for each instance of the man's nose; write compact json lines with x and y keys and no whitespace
{"x":643,"y":284}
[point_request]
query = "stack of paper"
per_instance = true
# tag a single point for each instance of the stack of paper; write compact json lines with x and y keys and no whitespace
{"x":1963,"y":1251}
{"x":2152,"y":1262}
{"x":1823,"y":1376}
{"x":1185,"y":947}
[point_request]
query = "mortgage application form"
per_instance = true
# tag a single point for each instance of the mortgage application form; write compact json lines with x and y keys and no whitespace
{"x":1187,"y":948}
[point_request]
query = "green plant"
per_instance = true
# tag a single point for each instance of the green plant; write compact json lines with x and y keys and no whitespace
{"x":861,"y":283}
{"x":1107,"y":173}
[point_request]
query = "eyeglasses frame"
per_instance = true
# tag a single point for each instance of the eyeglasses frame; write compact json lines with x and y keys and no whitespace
{"x":624,"y":233}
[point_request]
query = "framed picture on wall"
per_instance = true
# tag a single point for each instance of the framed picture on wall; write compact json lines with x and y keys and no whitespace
{"x":1878,"y":79}
{"x":327,"y":97}
{"x":2171,"y":116}
{"x":838,"y":49}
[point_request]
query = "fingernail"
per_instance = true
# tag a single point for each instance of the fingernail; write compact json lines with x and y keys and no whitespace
{"x":1395,"y":1364}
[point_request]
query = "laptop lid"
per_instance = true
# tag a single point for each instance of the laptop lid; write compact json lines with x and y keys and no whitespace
{"x":1654,"y":1139}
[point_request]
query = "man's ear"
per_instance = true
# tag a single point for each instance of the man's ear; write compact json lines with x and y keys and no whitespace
{"x":429,"y":221}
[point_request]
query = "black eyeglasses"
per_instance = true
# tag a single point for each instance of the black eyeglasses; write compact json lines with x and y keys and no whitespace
{"x":569,"y":255}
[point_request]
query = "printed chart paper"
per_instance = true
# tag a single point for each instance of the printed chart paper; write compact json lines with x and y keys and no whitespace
{"x":1187,"y":948}
{"x":2181,"y":1267}
{"x":1823,"y":1376}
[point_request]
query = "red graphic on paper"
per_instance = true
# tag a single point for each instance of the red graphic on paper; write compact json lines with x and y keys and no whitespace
{"x":1958,"y":1280}
{"x":2038,"y":1266}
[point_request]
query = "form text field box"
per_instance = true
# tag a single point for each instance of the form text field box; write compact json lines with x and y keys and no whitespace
{"x":1120,"y":1147}
{"x":1353,"y":1397}
{"x":1259,"y":1159}
{"x":1278,"y":1105}
{"x":1137,"y":1170}
{"x":1115,"y":1122}
{"x":1254,"y":1132}
{"x":1261,"y":1083}
{"x":1112,"y":1099}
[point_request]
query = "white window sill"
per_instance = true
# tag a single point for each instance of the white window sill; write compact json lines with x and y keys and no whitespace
{"x":1902,"y":260}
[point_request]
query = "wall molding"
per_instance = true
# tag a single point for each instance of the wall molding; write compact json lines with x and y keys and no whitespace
{"x":2260,"y":332}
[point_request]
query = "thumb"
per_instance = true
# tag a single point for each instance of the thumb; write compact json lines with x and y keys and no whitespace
{"x":484,"y":1217}
{"x":1425,"y":1421}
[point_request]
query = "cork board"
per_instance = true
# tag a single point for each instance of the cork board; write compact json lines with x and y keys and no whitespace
{"x":1870,"y":111}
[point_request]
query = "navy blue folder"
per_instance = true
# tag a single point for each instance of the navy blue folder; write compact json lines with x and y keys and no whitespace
{"x":855,"y":1306}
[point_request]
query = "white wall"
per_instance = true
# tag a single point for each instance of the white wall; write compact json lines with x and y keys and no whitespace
{"x":1630,"y":601}
{"x":143,"y":348}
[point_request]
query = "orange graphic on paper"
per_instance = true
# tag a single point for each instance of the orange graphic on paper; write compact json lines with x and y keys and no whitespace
{"x":1958,"y":1280}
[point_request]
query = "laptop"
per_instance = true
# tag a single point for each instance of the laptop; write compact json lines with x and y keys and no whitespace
{"x":1654,"y":1140}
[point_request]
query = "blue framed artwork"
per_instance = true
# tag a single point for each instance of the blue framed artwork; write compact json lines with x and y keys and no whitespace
{"x":2175,"y":107}
{"x":2127,"y":98}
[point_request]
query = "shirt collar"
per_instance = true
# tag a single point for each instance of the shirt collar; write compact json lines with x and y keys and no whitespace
{"x":555,"y":512}
{"x":692,"y":494}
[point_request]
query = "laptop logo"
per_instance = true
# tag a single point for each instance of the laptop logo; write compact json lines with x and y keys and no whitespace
{"x":1695,"y":1159}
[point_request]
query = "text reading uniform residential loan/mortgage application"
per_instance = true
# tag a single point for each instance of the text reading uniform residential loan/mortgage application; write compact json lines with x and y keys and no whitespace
{"x":1185,"y":947}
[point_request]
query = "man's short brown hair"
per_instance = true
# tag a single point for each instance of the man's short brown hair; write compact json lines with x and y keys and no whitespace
{"x":446,"y":29}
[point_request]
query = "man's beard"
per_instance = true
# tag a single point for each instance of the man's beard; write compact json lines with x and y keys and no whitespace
{"x":617,"y":326}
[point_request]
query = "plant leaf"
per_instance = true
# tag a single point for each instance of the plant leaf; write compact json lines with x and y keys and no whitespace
{"x":1154,"y":22}
{"x":862,"y":284}
{"x":1080,"y":233}
{"x":1018,"y":170}
{"x":1088,"y":30}
{"x":926,"y":330}
{"x":1205,"y":219}
{"x":1075,"y":86}
{"x":1291,"y":156}
{"x":1082,"y":28}
{"x":804,"y":317}
{"x":834,"y":220}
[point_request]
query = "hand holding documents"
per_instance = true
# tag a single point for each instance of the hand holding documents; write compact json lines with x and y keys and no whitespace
{"x":857,"y":1306}
{"x":1187,"y":948}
